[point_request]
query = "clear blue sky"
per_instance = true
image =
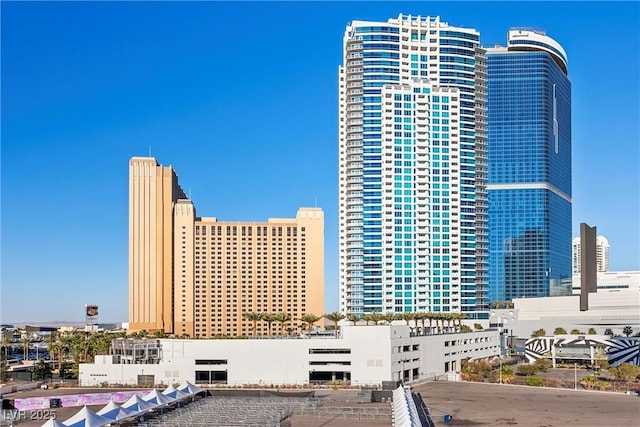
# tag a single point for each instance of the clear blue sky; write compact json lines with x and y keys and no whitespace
{"x":241,"y":98}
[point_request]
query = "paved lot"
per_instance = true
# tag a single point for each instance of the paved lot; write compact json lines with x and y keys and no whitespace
{"x":477,"y":404}
{"x":470,"y":404}
{"x":343,"y":408}
{"x":347,"y":406}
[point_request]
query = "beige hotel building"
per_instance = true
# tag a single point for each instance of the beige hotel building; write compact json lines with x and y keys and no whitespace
{"x":196,"y":276}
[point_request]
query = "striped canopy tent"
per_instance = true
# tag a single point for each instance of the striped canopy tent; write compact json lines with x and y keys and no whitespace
{"x":85,"y":417}
{"x":116,"y":412}
{"x":137,"y":405}
{"x":189,"y":388}
{"x":174,"y":393}
{"x":159,"y":399}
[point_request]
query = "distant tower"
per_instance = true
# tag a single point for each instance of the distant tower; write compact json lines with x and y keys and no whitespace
{"x":602,"y":254}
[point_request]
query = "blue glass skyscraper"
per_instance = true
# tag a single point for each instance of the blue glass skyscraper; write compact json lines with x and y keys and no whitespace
{"x":529,"y":166}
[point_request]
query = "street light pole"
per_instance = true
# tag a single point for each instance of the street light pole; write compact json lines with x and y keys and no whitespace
{"x":575,"y":376}
{"x":501,"y":344}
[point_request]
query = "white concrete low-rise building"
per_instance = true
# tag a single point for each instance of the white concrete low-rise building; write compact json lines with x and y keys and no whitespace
{"x":362,"y":355}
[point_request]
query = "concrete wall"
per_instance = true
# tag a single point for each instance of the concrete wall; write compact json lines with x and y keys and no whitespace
{"x":373,"y":354}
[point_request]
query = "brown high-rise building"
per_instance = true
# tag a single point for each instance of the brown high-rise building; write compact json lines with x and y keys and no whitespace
{"x":197,"y":276}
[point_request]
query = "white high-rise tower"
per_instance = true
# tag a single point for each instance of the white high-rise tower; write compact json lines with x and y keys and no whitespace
{"x":412,"y":167}
{"x":602,"y":255}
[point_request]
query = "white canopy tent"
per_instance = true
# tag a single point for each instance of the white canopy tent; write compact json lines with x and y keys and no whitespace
{"x":137,"y":405}
{"x":157,"y":398}
{"x":53,"y":423}
{"x":189,"y":388}
{"x":174,"y":393}
{"x":117,"y":413}
{"x":87,"y":418}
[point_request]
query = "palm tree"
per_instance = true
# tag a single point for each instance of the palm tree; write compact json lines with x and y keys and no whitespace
{"x":79,"y":349}
{"x":421,"y":316}
{"x":388,"y":317}
{"x":269,"y":318}
{"x":407,"y":317}
{"x":451,"y":321}
{"x":431,"y":317}
{"x":99,"y":343}
{"x":353,"y":318}
{"x":6,"y":342}
{"x":309,"y":319}
{"x":50,"y":339}
{"x":25,"y":346}
{"x":374,"y":317}
{"x":335,"y":317}
{"x":282,"y":318}
{"x":56,"y":349}
{"x":439,"y":317}
{"x":446,"y":318}
{"x":459,"y":317}
{"x":253,"y":317}
{"x":65,"y":346}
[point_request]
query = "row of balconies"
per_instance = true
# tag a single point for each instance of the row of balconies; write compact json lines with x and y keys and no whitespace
{"x":354,"y":237}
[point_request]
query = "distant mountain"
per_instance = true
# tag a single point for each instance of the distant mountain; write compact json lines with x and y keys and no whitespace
{"x":60,"y":323}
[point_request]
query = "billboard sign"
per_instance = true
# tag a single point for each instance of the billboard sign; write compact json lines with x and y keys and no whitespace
{"x":91,"y":314}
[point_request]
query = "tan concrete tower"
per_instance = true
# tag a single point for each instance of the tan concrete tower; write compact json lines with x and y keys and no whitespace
{"x":192,"y":276}
{"x":153,"y":189}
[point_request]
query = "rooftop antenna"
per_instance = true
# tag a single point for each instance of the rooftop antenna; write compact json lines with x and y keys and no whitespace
{"x":149,"y":151}
{"x":315,"y":202}
{"x":189,"y":193}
